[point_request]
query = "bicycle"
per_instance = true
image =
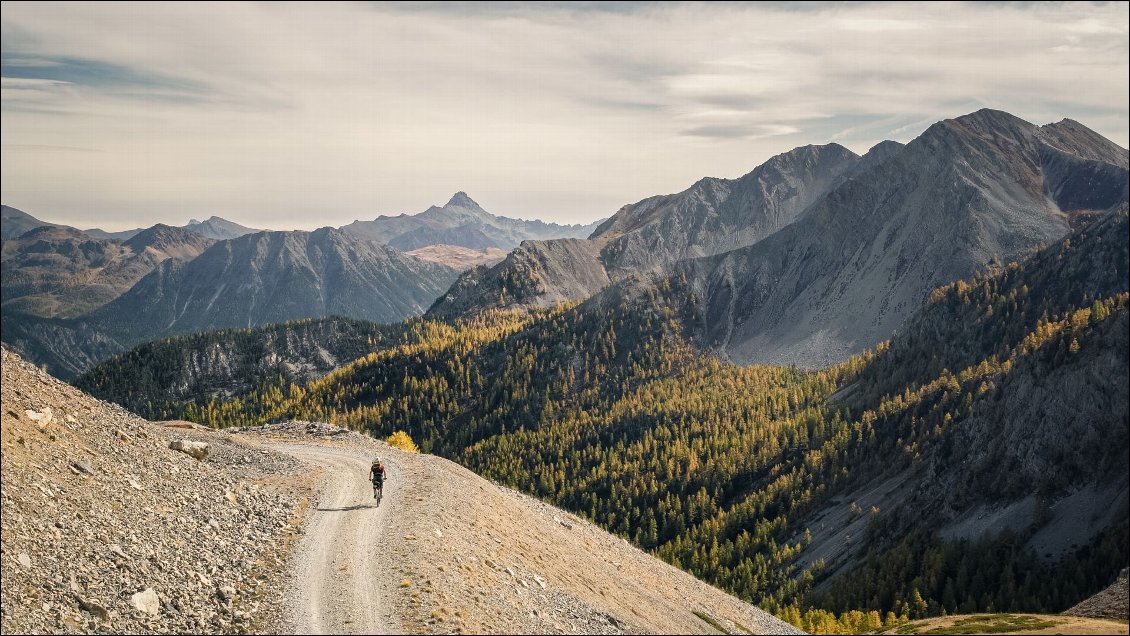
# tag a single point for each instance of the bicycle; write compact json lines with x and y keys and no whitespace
{"x":378,"y":491}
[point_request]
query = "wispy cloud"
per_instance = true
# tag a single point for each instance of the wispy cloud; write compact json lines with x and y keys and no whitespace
{"x":297,"y":115}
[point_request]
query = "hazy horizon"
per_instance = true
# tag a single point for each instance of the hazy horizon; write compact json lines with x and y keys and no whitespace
{"x":300,"y":116}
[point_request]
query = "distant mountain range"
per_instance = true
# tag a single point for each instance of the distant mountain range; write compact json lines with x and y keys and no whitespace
{"x":819,"y":253}
{"x":813,"y":256}
{"x":72,"y":297}
{"x":251,"y":280}
{"x":54,"y":270}
{"x":463,"y":223}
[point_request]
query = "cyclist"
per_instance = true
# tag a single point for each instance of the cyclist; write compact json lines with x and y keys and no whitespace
{"x":377,"y":476}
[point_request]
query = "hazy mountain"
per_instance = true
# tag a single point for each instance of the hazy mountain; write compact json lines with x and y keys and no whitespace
{"x":218,"y":228}
{"x":61,"y":271}
{"x":15,"y":222}
{"x":272,"y":277}
{"x":460,"y":222}
{"x":123,"y":235}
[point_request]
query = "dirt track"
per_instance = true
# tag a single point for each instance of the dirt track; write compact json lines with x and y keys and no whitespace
{"x":340,"y":572}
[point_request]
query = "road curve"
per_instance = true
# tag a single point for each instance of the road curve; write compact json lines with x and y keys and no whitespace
{"x":338,"y":567}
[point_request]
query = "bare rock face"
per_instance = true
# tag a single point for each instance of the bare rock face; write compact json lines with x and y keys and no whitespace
{"x":719,"y":215}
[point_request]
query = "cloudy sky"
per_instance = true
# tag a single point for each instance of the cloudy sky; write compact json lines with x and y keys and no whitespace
{"x":298,"y":116}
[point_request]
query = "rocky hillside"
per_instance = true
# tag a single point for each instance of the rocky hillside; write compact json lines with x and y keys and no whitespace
{"x":1113,"y":602}
{"x":460,"y":222}
{"x":106,"y":529}
{"x":537,"y":274}
{"x":719,"y":215}
{"x":59,"y":271}
{"x":219,"y":364}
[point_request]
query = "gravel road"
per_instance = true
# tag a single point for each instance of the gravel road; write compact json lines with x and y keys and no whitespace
{"x":340,"y":568}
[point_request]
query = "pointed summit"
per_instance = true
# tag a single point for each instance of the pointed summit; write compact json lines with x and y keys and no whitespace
{"x":461,"y":200}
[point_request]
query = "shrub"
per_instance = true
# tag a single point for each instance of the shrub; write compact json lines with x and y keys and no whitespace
{"x":401,"y":440}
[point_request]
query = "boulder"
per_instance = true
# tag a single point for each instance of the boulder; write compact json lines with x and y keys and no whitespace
{"x":199,"y":450}
{"x":146,"y":602}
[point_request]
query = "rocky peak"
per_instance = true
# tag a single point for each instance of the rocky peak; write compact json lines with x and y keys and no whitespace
{"x":461,"y":200}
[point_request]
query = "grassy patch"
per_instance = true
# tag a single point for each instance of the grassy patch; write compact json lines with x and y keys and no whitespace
{"x":709,"y":620}
{"x":743,"y":627}
{"x":982,"y":624}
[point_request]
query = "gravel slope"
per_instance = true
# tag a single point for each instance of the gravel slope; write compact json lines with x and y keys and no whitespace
{"x":450,"y":552}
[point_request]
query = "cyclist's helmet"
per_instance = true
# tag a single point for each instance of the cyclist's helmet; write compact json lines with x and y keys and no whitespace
{"x":376,"y":461}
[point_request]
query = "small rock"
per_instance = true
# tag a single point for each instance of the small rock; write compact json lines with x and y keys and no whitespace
{"x":43,"y":417}
{"x":146,"y":602}
{"x":227,"y":592}
{"x":24,"y":560}
{"x":117,"y":549}
{"x":83,"y":466}
{"x":94,"y":608}
{"x":122,"y":435}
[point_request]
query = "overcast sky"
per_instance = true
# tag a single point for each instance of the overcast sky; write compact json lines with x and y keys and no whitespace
{"x":295,"y":116}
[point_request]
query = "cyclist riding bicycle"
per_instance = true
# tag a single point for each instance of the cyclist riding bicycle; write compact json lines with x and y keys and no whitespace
{"x":377,"y":476}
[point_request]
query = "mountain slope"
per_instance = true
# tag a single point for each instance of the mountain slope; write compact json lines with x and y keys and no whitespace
{"x":536,"y":274}
{"x":719,"y":215}
{"x":458,"y":258}
{"x":231,"y":362}
{"x":460,"y":222}
{"x":14,"y":223}
{"x":59,"y":271}
{"x":712,"y":216}
{"x":819,"y":254}
{"x":451,"y":550}
{"x":273,"y":277}
{"x":968,"y":192}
